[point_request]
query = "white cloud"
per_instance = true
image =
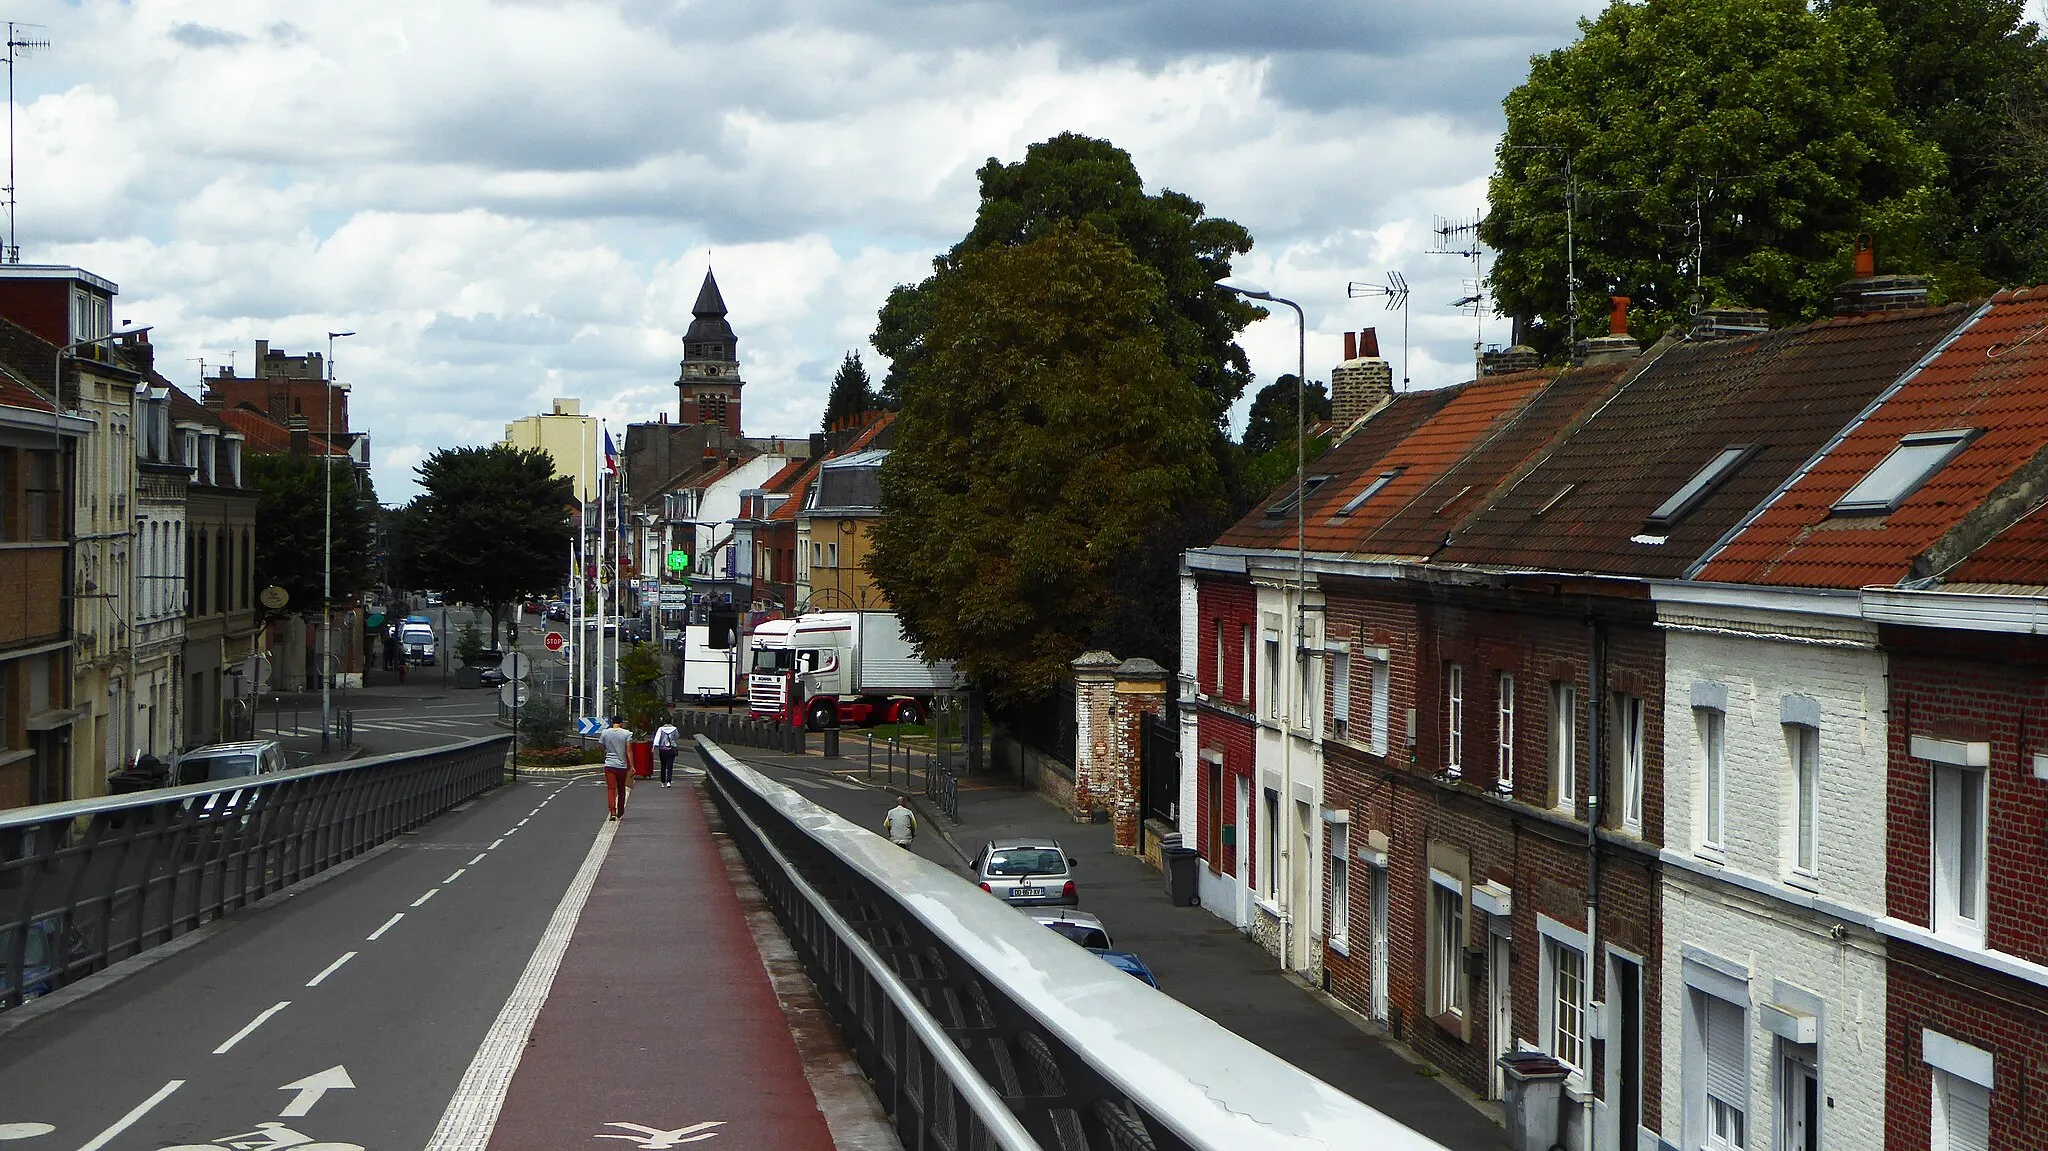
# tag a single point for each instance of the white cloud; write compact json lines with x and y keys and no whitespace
{"x":512,"y":201}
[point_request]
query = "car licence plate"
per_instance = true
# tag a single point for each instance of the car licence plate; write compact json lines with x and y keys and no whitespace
{"x":1028,"y":892}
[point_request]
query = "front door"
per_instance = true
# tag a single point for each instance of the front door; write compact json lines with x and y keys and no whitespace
{"x":1500,"y":1006}
{"x":1243,"y":860}
{"x":1801,"y":1105}
{"x":1303,"y":869}
{"x":1624,"y":1040}
{"x":1379,"y":944}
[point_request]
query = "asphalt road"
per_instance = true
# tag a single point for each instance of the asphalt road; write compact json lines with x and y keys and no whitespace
{"x":386,"y":977}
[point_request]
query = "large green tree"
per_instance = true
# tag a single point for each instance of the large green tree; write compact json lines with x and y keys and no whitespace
{"x":490,"y":526}
{"x":1268,"y":443}
{"x":1072,"y":179}
{"x":1970,"y":76}
{"x":852,"y":394}
{"x":291,"y":525}
{"x":1762,"y":135}
{"x":1046,"y":431}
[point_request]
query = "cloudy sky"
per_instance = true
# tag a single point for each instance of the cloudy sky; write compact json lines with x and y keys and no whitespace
{"x":510,"y":200}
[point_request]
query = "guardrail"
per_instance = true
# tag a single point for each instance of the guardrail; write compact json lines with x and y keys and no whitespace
{"x":981,"y":1029}
{"x":744,"y":730}
{"x":92,"y":882}
{"x":942,"y":787}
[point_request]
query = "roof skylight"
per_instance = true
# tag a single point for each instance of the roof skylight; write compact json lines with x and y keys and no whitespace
{"x":1285,"y":505}
{"x":1901,"y":473}
{"x":1700,"y":486}
{"x":1369,"y":491}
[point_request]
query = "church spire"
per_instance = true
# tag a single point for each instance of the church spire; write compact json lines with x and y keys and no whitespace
{"x":709,"y":385}
{"x":709,"y":303}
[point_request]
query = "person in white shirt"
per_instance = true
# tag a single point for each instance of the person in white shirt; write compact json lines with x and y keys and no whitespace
{"x":665,"y":738}
{"x":900,"y":823}
{"x":618,"y":776}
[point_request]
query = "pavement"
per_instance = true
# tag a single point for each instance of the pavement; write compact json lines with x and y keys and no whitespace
{"x":1198,"y":958}
{"x":386,"y":716}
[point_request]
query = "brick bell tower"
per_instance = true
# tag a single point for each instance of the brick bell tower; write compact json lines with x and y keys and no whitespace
{"x":709,"y":386}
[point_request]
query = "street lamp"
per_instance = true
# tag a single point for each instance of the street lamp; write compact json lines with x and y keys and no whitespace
{"x":327,"y":551}
{"x":1300,"y":557}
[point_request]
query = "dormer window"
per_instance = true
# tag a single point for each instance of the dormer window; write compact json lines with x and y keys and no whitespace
{"x":189,"y":449}
{"x":1285,"y":506}
{"x":1902,"y":473}
{"x":1699,"y":487}
{"x":1369,"y":491}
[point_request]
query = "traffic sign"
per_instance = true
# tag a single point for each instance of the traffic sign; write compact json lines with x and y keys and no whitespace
{"x":554,"y":641}
{"x":675,"y":595}
{"x":515,"y":693}
{"x":589,"y":725}
{"x":679,"y":561}
{"x":514,"y":665}
{"x":273,"y":597}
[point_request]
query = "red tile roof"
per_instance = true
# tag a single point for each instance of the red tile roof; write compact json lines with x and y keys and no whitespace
{"x":1994,"y":377}
{"x":14,"y":395}
{"x":265,"y":436}
{"x":2017,"y":555}
{"x":788,"y":508}
{"x":1585,"y":505}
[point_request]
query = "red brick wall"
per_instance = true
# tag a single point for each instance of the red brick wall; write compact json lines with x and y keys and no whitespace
{"x":1236,"y":603}
{"x":1234,"y":737}
{"x":1924,"y":989}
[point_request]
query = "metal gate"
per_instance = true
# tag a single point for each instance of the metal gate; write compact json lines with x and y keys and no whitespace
{"x":1159,"y":768}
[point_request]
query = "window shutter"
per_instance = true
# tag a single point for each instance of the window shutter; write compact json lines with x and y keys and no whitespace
{"x":1727,"y":1056}
{"x":1340,"y":688}
{"x":1967,"y":1111}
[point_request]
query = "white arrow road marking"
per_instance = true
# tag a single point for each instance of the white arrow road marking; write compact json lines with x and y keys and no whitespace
{"x":244,"y":1033}
{"x":312,"y":1087}
{"x":126,"y":1121}
{"x":655,"y":1139}
{"x":331,"y":969}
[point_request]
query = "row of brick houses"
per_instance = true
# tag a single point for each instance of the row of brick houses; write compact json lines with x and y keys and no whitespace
{"x":1682,"y":714}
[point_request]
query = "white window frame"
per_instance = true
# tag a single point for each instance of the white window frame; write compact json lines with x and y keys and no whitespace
{"x":832,"y":554}
{"x":1700,"y":1094}
{"x":1802,"y":755}
{"x":1564,"y":743}
{"x":1504,"y":732}
{"x":1956,"y":1068}
{"x":1340,"y":887}
{"x":1269,"y":847}
{"x":1381,"y":690}
{"x":1454,"y":721}
{"x":1628,"y":723}
{"x":1217,"y":686}
{"x":1245,"y":658}
{"x":1957,"y":844}
{"x":1710,"y":725}
{"x":1555,"y":1016}
{"x":1446,"y":944}
{"x":1271,"y":643}
{"x":1340,"y":694}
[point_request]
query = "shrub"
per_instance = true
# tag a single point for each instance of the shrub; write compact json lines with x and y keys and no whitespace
{"x":568,"y":756}
{"x":543,"y":722}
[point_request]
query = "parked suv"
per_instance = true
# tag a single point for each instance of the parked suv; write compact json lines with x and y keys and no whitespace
{"x":416,"y":642}
{"x":220,"y":762}
{"x":1027,"y":873}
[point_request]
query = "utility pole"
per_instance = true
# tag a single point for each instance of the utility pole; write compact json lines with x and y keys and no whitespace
{"x":327,"y":551}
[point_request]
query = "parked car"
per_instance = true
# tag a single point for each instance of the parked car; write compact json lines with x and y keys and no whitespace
{"x":433,"y":599}
{"x":1027,"y":873}
{"x":1079,"y":926}
{"x":1127,"y":962}
{"x":48,"y":937}
{"x":416,"y":642}
{"x":558,"y":610}
{"x":219,"y":762}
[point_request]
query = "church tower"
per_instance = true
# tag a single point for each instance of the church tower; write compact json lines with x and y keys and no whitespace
{"x":710,"y":383}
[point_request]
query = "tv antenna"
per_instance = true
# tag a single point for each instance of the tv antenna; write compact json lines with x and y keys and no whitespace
{"x":22,"y":40}
{"x":1460,"y":237}
{"x":1396,"y":292}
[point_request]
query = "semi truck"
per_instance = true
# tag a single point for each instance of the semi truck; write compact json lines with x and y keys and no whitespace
{"x":840,"y":668}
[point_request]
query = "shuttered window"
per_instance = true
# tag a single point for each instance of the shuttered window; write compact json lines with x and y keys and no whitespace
{"x":1379,"y":706}
{"x":1962,"y":1114}
{"x":1724,"y":1067}
{"x":1340,"y":694}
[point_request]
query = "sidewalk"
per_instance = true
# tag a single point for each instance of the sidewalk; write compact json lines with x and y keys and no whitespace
{"x":1198,"y":958}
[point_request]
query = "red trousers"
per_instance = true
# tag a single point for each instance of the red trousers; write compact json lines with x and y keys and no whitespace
{"x":615,"y":787}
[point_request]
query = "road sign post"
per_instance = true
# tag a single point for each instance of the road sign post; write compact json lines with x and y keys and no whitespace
{"x":554,"y":641}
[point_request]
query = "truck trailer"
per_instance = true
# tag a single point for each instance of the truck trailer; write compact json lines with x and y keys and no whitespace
{"x":841,"y":668}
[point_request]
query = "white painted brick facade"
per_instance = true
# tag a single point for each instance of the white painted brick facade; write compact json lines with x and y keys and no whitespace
{"x":1780,"y":934}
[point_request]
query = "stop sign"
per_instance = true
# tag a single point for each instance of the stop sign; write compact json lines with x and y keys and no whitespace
{"x":554,"y":641}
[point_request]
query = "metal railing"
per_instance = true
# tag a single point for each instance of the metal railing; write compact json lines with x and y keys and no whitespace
{"x":92,"y":882}
{"x":980,"y":1029}
{"x":743,"y":730}
{"x":942,"y":787}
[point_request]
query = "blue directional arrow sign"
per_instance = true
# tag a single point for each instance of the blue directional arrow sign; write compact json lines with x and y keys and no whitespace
{"x":589,"y":725}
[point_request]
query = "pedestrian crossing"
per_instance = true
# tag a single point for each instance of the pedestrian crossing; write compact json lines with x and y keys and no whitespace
{"x":425,"y":725}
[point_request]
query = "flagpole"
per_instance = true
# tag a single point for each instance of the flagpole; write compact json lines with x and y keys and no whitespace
{"x":576,"y":585}
{"x":604,"y":476}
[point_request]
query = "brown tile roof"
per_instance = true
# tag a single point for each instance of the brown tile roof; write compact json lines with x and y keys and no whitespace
{"x":265,"y":436}
{"x":2017,"y":555}
{"x":1420,"y":526}
{"x":788,"y":508}
{"x":14,"y":394}
{"x":1352,"y":463}
{"x":1994,"y":377}
{"x":1585,"y":506}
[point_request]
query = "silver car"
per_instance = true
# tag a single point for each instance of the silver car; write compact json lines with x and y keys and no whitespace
{"x":1027,"y":873}
{"x":1079,"y":926}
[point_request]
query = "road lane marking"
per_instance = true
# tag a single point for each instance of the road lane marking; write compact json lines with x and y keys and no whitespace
{"x":244,"y":1033}
{"x":126,"y":1121}
{"x":494,"y":844}
{"x":431,"y":892}
{"x":479,"y":859}
{"x":520,"y":824}
{"x":473,"y":1110}
{"x":388,"y":925}
{"x":454,"y":877}
{"x":331,"y":969}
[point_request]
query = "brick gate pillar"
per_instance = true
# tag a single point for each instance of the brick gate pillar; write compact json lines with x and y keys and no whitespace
{"x":1094,"y":732}
{"x":1140,"y":692}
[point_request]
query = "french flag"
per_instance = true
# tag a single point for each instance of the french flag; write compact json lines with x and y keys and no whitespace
{"x":611,"y":454}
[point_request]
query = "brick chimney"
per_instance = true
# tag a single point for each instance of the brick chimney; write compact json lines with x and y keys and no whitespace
{"x":1869,"y":292}
{"x":302,"y":445}
{"x":1616,"y":345}
{"x":1363,"y":382}
{"x":1729,"y":323}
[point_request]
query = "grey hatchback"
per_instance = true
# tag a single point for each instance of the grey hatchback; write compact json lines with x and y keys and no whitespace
{"x":1027,"y":873}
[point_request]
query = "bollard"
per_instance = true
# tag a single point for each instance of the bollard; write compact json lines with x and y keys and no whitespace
{"x":831,"y":743}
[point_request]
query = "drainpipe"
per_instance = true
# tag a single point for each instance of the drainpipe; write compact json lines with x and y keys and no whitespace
{"x":1596,"y":652}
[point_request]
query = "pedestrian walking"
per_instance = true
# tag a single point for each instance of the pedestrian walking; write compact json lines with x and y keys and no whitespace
{"x":900,"y":823}
{"x":618,"y":775}
{"x":665,"y":746}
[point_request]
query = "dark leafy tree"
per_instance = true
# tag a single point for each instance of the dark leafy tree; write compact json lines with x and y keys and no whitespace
{"x":1769,"y":126}
{"x":290,"y":520}
{"x":490,"y":526}
{"x":1270,"y":422}
{"x":852,"y":395}
{"x":1046,"y":435}
{"x":1072,"y":179}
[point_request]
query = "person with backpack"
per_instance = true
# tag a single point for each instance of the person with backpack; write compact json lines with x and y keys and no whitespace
{"x":665,"y":738}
